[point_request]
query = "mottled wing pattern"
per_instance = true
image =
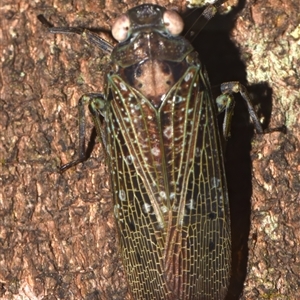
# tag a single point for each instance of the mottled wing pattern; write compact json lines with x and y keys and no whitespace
{"x":138,"y":180}
{"x":170,"y":191}
{"x":197,"y":253}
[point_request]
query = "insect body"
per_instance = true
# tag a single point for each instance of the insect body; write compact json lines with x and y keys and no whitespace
{"x":168,"y":177}
{"x":167,"y":169}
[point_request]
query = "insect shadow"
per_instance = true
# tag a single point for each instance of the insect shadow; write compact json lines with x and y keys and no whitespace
{"x":222,"y":61}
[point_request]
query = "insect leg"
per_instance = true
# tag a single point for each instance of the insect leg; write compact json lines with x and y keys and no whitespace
{"x":226,"y":102}
{"x":95,"y":103}
{"x":91,"y":37}
{"x":204,"y":18}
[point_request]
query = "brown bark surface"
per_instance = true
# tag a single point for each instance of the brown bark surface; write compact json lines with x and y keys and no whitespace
{"x":57,"y":233}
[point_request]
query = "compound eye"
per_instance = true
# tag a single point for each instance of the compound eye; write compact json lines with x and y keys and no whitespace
{"x":173,"y":22}
{"x":120,"y":28}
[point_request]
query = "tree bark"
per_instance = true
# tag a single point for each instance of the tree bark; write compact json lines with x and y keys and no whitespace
{"x":58,"y":236}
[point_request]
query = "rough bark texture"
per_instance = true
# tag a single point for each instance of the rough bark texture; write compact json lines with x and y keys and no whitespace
{"x":268,"y":36}
{"x":57,"y":232}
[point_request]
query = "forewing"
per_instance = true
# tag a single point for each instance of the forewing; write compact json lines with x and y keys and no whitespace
{"x":139,"y":189}
{"x":197,"y":249}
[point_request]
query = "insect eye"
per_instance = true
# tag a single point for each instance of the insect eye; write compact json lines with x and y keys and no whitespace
{"x":173,"y":22}
{"x":120,"y":28}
